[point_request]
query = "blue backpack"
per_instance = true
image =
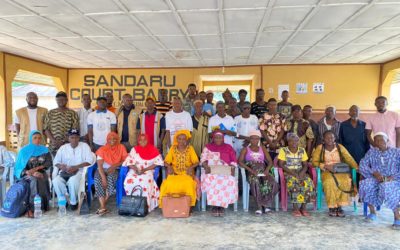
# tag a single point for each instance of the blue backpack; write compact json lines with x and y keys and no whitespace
{"x":17,"y":200}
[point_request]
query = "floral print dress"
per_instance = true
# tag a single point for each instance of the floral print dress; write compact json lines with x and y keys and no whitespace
{"x":145,"y":180}
{"x":221,"y":190}
{"x":272,"y":125}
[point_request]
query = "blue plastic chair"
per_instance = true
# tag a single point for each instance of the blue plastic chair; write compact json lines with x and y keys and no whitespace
{"x":90,"y":182}
{"x":378,"y":208}
{"x":121,"y":178}
{"x":320,"y":190}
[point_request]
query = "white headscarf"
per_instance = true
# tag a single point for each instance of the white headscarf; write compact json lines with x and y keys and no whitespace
{"x":383,"y":134}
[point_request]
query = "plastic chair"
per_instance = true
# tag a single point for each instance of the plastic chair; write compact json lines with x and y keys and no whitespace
{"x":204,"y":194}
{"x":246,"y":189}
{"x":320,"y":190}
{"x":283,"y":191}
{"x":90,"y":182}
{"x":121,"y":178}
{"x":8,"y":173}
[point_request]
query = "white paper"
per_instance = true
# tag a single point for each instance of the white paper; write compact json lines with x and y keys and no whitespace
{"x":281,"y":88}
{"x":301,"y":88}
{"x":318,"y":87}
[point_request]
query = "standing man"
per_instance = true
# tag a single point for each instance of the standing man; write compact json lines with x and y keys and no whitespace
{"x":151,"y":123}
{"x":242,"y":99}
{"x":100,"y":123}
{"x":224,"y":123}
{"x":245,"y":123}
{"x":110,"y":101}
{"x":28,"y":119}
{"x":208,"y":106}
{"x":70,"y":159}
{"x":259,"y":107}
{"x":191,"y":97}
{"x":127,"y":118}
{"x":307,"y":112}
{"x":83,"y":114}
{"x":353,"y":136}
{"x":272,"y":127}
{"x":163,"y":105}
{"x":176,"y":119}
{"x":384,"y":121}
{"x":58,"y":121}
{"x":328,"y":122}
{"x":285,"y":107}
{"x":200,"y":128}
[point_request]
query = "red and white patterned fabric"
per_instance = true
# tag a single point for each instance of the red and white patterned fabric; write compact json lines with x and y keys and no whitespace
{"x":146,"y":180}
{"x":221,"y":190}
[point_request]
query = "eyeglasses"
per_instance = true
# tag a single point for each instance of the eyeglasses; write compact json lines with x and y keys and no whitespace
{"x":246,"y":108}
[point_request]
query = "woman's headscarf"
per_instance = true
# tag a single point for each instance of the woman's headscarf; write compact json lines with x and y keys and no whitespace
{"x":181,"y":132}
{"x":112,"y":154}
{"x":147,"y":152}
{"x":226,"y":152}
{"x":30,"y":150}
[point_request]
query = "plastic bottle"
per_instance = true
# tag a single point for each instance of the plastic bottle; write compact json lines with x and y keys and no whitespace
{"x":62,"y":210}
{"x":37,"y":201}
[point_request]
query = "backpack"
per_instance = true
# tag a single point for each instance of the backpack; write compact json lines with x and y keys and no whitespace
{"x":16,"y":202}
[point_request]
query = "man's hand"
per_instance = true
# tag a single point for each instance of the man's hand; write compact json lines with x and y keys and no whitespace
{"x":378,"y":176}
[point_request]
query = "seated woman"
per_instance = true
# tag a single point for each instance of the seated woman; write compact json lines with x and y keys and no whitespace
{"x":32,"y":162}
{"x":109,"y":158}
{"x":336,"y":186}
{"x":221,"y":190}
{"x":180,"y":162}
{"x":141,"y":161}
{"x":381,"y":170}
{"x":263,"y":186}
{"x":293,"y":161}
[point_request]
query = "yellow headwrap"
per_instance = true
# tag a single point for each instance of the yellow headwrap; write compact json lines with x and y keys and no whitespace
{"x":181,"y":132}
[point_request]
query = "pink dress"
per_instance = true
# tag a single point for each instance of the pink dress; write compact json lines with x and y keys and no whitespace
{"x":221,"y":190}
{"x":146,"y":180}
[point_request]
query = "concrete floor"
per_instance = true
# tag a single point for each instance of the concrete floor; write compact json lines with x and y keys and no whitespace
{"x":238,"y":230}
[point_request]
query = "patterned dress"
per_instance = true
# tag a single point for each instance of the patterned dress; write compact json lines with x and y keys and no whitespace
{"x":386,"y":163}
{"x":302,"y":129}
{"x":221,"y":190}
{"x":263,"y":188}
{"x":58,"y":123}
{"x":272,"y":125}
{"x":300,"y":191}
{"x":145,"y":180}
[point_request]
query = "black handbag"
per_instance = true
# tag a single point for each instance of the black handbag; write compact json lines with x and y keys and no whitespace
{"x":133,"y":205}
{"x":342,"y":168}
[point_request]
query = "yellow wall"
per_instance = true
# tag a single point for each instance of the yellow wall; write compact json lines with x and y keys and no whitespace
{"x":180,"y":78}
{"x":344,"y":84}
{"x":388,"y":71}
{"x":3,"y":123}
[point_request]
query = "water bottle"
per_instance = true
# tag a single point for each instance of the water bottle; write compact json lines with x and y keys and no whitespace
{"x":62,"y":210}
{"x":37,"y":201}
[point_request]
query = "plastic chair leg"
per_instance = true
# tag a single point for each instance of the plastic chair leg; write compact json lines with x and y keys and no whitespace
{"x":245,"y":190}
{"x":319,"y":189}
{"x":276,"y":175}
{"x":284,"y":195}
{"x":235,"y":205}
{"x":365,"y":210}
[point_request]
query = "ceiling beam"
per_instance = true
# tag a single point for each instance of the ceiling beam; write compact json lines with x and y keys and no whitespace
{"x":221,"y":25}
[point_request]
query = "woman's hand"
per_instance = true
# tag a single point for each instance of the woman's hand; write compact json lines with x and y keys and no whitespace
{"x":189,"y":171}
{"x":111,"y":170}
{"x":378,"y":176}
{"x":170,"y":170}
{"x":302,"y":175}
{"x":329,"y":168}
{"x":207,"y":169}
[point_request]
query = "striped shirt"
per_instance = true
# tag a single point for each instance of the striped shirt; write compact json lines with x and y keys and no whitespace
{"x":323,"y":126}
{"x":163,"y":108}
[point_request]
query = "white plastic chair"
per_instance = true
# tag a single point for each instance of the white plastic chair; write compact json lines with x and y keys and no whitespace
{"x":204,"y":194}
{"x":246,"y":190}
{"x":7,"y":162}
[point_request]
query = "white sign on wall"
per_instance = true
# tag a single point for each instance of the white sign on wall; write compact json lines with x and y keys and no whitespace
{"x":318,"y":87}
{"x":301,"y":88}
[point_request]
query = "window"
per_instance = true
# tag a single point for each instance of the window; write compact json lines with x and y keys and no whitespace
{"x":394,"y":99}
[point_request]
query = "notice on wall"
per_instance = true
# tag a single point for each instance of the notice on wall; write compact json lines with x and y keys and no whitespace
{"x":318,"y":87}
{"x":301,"y":88}
{"x":281,"y":88}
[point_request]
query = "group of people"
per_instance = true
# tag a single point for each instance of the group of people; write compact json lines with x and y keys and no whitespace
{"x":193,"y":132}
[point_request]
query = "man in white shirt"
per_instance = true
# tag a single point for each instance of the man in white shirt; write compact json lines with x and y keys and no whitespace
{"x":28,"y":119}
{"x":83,"y":114}
{"x":224,"y":123}
{"x":245,"y":123}
{"x":69,"y":160}
{"x":177,"y":119}
{"x":100,"y":123}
